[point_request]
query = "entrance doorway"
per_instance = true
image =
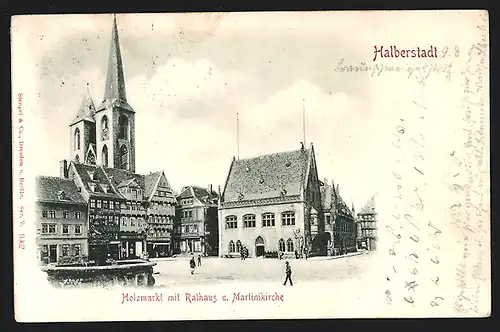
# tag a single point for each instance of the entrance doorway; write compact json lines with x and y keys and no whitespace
{"x":53,"y":253}
{"x":259,"y":246}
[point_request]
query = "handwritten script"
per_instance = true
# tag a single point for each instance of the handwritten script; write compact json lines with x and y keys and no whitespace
{"x":469,"y":210}
{"x":427,"y":238}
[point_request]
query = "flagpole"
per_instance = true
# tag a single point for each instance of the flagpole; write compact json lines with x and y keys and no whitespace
{"x":238,"y":135}
{"x":304,"y":122}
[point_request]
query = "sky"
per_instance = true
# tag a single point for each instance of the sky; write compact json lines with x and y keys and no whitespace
{"x":188,"y":76}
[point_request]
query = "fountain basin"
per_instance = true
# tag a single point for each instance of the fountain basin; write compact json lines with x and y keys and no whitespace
{"x":135,"y":273}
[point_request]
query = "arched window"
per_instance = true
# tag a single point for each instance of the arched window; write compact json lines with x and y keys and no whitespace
{"x":281,"y":245}
{"x":231,"y":246}
{"x":91,"y":157}
{"x":77,"y":139}
{"x":105,"y":155}
{"x":289,"y":245}
{"x":238,"y":246}
{"x":104,"y":128}
{"x":123,"y":127}
{"x":124,"y":157}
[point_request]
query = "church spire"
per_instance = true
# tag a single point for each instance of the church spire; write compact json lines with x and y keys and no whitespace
{"x":87,"y":109}
{"x":115,"y":82}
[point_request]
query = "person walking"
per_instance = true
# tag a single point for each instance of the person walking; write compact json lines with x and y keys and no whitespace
{"x":199,"y":260}
{"x":288,"y":271}
{"x":192,"y":264}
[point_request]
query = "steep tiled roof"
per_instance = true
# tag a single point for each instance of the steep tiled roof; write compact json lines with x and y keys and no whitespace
{"x":266,"y":176}
{"x":99,"y":178}
{"x":121,"y":176}
{"x":186,"y":192}
{"x":150,"y":181}
{"x":331,"y":198}
{"x":125,"y":183}
{"x":202,"y":194}
{"x":86,"y":112}
{"x":369,"y":207}
{"x":54,"y":189}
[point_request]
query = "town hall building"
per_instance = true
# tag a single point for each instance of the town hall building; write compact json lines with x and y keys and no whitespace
{"x":272,"y":203}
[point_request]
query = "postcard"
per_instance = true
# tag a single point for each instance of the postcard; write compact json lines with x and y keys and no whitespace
{"x":259,"y":165}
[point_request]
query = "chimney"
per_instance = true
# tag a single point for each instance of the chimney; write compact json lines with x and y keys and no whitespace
{"x":325,"y":181}
{"x":63,"y":169}
{"x":210,"y":189}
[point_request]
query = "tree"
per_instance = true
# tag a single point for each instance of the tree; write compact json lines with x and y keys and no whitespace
{"x":145,"y":229}
{"x":102,"y":231}
{"x":299,"y":239}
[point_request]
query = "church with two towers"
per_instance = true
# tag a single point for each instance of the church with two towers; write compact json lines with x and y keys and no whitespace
{"x":127,"y":213}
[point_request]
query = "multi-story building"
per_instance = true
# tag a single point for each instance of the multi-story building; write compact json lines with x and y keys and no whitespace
{"x":197,"y":212}
{"x":128,"y":213}
{"x":340,"y":225}
{"x":367,"y":223}
{"x":104,"y":207}
{"x":272,"y":203}
{"x":160,"y":203}
{"x":61,"y":220}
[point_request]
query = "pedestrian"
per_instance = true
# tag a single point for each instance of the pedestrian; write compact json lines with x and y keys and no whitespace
{"x":192,"y":264}
{"x":199,"y":260}
{"x":288,"y":271}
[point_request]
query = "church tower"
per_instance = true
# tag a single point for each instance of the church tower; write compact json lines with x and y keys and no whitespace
{"x":115,"y":118}
{"x":82,"y":133}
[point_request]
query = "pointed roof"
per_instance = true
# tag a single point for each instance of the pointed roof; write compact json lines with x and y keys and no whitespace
{"x":87,"y":110}
{"x":331,"y":199}
{"x":114,"y":91}
{"x":202,"y":194}
{"x":369,"y":207}
{"x":97,"y":181}
{"x":150,"y":183}
{"x":57,"y":190}
{"x":266,"y":176}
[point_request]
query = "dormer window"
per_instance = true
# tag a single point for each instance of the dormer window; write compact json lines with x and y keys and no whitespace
{"x":61,"y":195}
{"x":283,"y":192}
{"x":105,"y":188}
{"x":92,"y":187}
{"x":91,"y":175}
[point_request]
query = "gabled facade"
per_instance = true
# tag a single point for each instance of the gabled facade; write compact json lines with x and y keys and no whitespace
{"x":272,"y":203}
{"x":61,"y":220}
{"x":340,"y":226}
{"x":160,"y":205}
{"x":197,"y":217}
{"x":367,"y":223}
{"x":103,"y":208}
